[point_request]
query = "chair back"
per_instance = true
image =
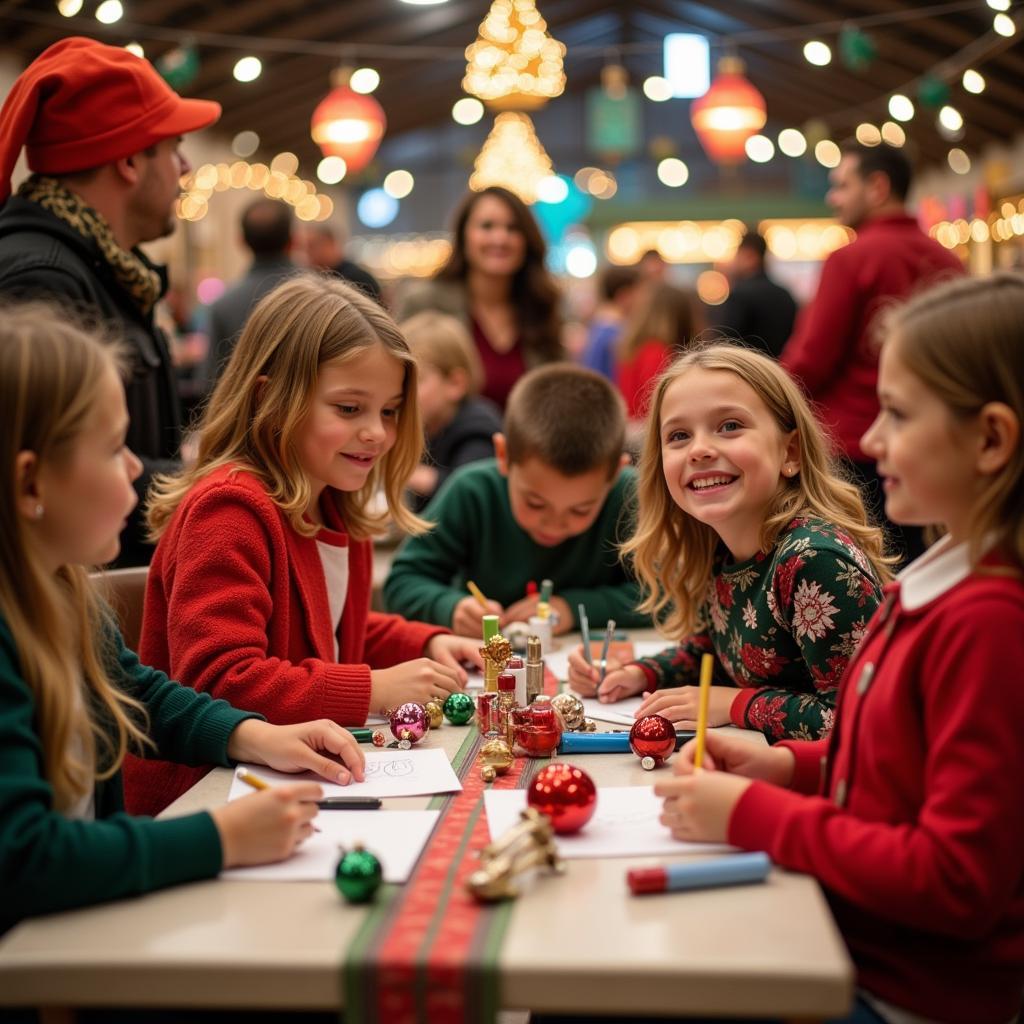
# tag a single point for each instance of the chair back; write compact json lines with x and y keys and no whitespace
{"x":124,"y":590}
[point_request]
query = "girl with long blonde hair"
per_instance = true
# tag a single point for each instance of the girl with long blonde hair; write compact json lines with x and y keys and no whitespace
{"x":750,"y":546}
{"x":911,"y":817}
{"x":73,"y":699}
{"x":259,"y":590}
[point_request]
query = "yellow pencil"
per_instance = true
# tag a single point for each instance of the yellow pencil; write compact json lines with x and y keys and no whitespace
{"x":477,"y":593}
{"x":252,"y":780}
{"x":707,"y":664}
{"x":256,"y":782}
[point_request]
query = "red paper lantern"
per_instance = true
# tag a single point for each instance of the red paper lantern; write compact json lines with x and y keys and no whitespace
{"x":728,"y":113}
{"x":350,"y":125}
{"x":566,"y":794}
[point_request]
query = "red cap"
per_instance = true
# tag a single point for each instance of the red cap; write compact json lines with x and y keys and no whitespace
{"x":506,"y":682}
{"x":647,"y":880}
{"x":82,"y":104}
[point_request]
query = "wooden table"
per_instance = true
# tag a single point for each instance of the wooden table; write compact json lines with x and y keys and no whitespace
{"x":575,"y":943}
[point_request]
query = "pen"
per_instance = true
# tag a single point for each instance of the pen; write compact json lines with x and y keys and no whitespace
{"x":609,"y":629}
{"x":544,"y":604}
{"x":585,"y":630}
{"x":707,"y":664}
{"x":349,"y":803}
{"x":255,"y":782}
{"x":737,"y":869}
{"x":477,"y":593}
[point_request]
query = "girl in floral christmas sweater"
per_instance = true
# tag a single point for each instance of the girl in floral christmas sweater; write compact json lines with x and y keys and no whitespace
{"x":751,"y":547}
{"x":911,"y":815}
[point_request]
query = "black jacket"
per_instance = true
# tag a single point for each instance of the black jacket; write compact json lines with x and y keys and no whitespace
{"x":41,"y":257}
{"x":759,"y":312}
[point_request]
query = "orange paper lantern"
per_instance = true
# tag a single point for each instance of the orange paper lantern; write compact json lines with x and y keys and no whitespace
{"x":728,"y":113}
{"x":350,"y":125}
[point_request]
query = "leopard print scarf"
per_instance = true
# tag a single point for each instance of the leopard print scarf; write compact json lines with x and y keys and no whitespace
{"x":133,"y":274}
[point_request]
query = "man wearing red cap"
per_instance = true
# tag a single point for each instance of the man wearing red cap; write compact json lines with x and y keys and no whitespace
{"x":101,"y":131}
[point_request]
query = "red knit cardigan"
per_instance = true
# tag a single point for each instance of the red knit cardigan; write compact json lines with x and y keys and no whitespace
{"x":236,"y":605}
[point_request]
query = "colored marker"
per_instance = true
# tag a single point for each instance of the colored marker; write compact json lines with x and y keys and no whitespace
{"x":737,"y":869}
{"x":477,"y":593}
{"x":707,"y":664}
{"x":585,"y":630}
{"x":594,"y":743}
{"x":349,"y":803}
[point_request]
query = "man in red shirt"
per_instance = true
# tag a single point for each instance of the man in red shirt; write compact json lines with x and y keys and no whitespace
{"x":834,"y":349}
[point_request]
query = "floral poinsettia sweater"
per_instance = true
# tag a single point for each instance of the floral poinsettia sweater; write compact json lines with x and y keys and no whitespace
{"x":782,"y":627}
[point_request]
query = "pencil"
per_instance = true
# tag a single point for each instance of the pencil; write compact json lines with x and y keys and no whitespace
{"x":608,"y":631}
{"x":255,"y":782}
{"x":585,"y":630}
{"x":477,"y":593}
{"x":707,"y":664}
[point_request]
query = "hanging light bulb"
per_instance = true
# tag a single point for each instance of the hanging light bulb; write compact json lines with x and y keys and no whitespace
{"x":728,"y":113}
{"x":513,"y":157}
{"x":348,"y":124}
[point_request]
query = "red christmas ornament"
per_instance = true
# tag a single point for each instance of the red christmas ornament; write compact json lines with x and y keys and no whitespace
{"x":653,"y":736}
{"x":350,"y":125}
{"x":566,"y":794}
{"x":728,"y":113}
{"x":537,"y":730}
{"x":410,"y":722}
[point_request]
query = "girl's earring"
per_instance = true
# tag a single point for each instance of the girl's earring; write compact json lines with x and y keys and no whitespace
{"x":38,"y":511}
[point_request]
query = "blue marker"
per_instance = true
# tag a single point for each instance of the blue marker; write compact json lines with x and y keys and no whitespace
{"x":738,"y":869}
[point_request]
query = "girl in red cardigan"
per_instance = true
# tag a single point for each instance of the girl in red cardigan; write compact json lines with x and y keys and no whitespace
{"x":259,"y":590}
{"x":912,"y":815}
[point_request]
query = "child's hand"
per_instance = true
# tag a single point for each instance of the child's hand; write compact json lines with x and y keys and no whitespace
{"x":420,"y":680}
{"x":584,"y":678}
{"x":698,"y":807}
{"x":619,"y":681}
{"x":266,"y":826}
{"x":732,"y":754}
{"x":453,"y":651}
{"x":468,"y":617}
{"x":309,"y":746}
{"x":524,"y":608}
{"x":680,"y":704}
{"x":423,"y":479}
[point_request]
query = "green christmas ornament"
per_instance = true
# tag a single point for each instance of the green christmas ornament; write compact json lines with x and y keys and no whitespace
{"x":458,"y":708}
{"x":932,"y":92}
{"x":358,"y":875}
{"x":856,"y":48}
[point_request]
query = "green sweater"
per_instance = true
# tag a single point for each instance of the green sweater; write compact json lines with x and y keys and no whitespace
{"x":477,"y":539}
{"x":49,"y":862}
{"x":782,"y":627}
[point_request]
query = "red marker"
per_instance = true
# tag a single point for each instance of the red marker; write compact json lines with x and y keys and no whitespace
{"x":737,"y":869}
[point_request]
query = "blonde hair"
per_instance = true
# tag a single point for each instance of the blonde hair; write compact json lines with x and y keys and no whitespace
{"x":673,"y":553}
{"x":443,"y":342}
{"x":50,"y":373}
{"x":265,"y":393}
{"x":965,"y":341}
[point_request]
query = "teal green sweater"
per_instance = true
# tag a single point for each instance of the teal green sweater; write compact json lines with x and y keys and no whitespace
{"x":50,"y":862}
{"x":476,"y":538}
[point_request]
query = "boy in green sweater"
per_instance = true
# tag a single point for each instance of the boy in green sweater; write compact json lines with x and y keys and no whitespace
{"x":554,"y":504}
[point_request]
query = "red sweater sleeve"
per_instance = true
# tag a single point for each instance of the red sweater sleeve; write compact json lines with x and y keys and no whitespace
{"x":220,"y":603}
{"x":826,"y":331}
{"x":809,"y":768}
{"x":954,"y":866}
{"x":391,"y":639}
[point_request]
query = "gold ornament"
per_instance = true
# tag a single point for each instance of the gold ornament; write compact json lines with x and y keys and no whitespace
{"x":487,"y":773}
{"x":435,"y":713}
{"x":570,"y":707}
{"x":496,"y":652}
{"x":526,"y":845}
{"x":589,"y":725}
{"x":496,"y":754}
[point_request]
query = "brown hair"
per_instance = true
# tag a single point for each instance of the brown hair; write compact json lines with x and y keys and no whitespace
{"x":264,"y":394}
{"x":535,"y":295}
{"x":673,"y":553}
{"x":443,"y":342}
{"x":669,"y":315}
{"x":570,"y":418}
{"x":964,"y":340}
{"x":50,"y":372}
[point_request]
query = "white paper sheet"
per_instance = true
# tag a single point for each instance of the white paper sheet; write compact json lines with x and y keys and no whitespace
{"x":397,"y":838}
{"x":620,"y":713}
{"x":388,"y":773}
{"x":558,"y":661}
{"x":625,"y":824}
